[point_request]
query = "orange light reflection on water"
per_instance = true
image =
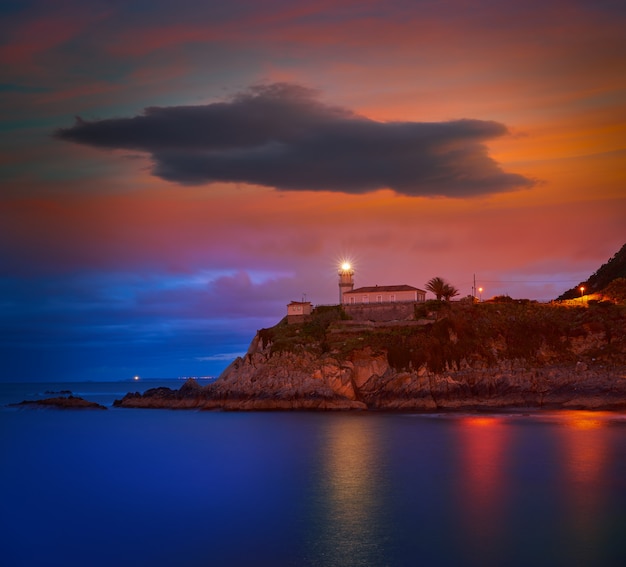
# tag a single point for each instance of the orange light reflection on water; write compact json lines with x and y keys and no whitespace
{"x":482,"y":476}
{"x":584,"y":445}
{"x":482,"y":446}
{"x":584,"y":441}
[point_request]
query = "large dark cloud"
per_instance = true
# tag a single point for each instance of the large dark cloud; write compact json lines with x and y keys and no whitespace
{"x":282,"y":136}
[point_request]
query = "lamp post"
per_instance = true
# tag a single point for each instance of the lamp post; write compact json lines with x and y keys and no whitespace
{"x":480,"y":294}
{"x":582,"y":292}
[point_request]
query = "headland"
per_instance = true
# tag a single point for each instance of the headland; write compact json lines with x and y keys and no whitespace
{"x":444,"y":356}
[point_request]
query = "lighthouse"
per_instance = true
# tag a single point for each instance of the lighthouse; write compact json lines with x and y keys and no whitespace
{"x":346,"y":280}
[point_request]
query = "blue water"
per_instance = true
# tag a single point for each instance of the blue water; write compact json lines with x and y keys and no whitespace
{"x":187,"y":488}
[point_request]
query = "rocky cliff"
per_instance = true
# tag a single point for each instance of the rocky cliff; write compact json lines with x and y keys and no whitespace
{"x":518,"y":355}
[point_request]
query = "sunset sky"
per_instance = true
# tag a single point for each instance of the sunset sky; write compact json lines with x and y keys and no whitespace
{"x":172,"y":174}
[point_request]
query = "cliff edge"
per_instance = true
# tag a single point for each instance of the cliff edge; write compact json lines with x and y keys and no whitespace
{"x":448,"y":357}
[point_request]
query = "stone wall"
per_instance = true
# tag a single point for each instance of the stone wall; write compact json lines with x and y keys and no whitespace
{"x":291,"y":319}
{"x":404,"y":311}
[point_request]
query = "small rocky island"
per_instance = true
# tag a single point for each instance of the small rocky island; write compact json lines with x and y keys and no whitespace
{"x":444,"y":356}
{"x":61,"y":402}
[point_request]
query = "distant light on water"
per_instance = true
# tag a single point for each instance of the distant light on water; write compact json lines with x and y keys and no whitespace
{"x":136,"y":378}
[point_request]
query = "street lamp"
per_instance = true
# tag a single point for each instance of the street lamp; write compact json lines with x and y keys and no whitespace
{"x":582,"y":290}
{"x":480,"y":292}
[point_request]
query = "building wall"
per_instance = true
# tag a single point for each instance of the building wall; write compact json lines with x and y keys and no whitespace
{"x":381,"y":311}
{"x":352,"y":298}
{"x":298,"y":311}
{"x":299,"y":308}
{"x":291,"y":319}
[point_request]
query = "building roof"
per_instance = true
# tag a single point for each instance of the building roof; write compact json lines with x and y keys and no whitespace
{"x":384,"y":288}
{"x":300,"y":303}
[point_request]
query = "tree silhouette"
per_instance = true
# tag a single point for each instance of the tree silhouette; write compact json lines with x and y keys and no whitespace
{"x":449,"y":291}
{"x":441,"y":288}
{"x":436,"y":285}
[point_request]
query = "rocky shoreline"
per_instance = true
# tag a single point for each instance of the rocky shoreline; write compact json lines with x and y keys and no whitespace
{"x":553,"y":388}
{"x":468,"y":358}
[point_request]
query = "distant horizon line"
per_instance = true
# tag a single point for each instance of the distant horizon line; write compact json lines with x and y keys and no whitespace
{"x":101,"y":381}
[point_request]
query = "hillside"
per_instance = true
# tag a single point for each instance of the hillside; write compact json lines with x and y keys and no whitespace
{"x":451,"y":356}
{"x":614,"y":269}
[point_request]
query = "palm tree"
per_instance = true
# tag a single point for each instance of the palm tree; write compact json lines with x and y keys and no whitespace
{"x":449,"y":292}
{"x":441,"y":288}
{"x":437,"y":286}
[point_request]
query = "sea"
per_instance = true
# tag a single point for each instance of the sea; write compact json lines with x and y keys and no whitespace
{"x":182,"y":488}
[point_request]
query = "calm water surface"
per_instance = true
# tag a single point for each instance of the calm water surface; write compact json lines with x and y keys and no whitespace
{"x":186,"y":488}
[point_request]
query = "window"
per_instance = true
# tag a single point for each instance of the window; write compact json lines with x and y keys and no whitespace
{"x":379,"y":298}
{"x":352,"y":300}
{"x":366,"y":299}
{"x":392,"y":297}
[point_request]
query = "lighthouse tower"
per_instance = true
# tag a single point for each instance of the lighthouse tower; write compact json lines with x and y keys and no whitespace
{"x":346,"y":280}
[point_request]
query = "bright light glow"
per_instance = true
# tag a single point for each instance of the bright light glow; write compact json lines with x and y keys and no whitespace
{"x":481,"y":421}
{"x":345,"y":266}
{"x":136,"y":378}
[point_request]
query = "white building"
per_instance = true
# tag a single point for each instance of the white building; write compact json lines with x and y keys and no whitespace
{"x":298,"y":311}
{"x":383,"y":294}
{"x":375,"y":294}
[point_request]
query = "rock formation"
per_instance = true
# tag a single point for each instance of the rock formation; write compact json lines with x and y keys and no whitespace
{"x":62,"y":402}
{"x":483,"y":357}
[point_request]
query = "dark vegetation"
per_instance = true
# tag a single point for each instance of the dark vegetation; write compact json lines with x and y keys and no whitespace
{"x":616,"y":291}
{"x":608,"y":273}
{"x":312,"y":334}
{"x":450,"y":333}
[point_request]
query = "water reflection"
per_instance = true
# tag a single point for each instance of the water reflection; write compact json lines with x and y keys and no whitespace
{"x":350,"y":499}
{"x":482,"y":480}
{"x":584,"y":446}
{"x":584,"y":443}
